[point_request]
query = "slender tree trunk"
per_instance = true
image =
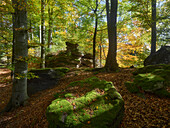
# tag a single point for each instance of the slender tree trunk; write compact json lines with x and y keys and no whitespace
{"x":100,"y":46}
{"x":104,"y":52}
{"x":13,"y":44}
{"x":153,"y":33}
{"x":1,"y":25}
{"x":94,"y":41}
{"x":95,"y":34}
{"x":31,"y":31}
{"x":111,"y":62}
{"x":50,"y":12}
{"x":19,"y":90}
{"x":42,"y":65}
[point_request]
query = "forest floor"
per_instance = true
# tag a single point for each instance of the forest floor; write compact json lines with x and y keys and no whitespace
{"x":151,"y":112}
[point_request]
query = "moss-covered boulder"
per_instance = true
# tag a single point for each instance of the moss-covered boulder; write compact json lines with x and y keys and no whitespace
{"x":42,"y":79}
{"x":68,"y":58}
{"x":101,"y":107}
{"x":152,"y":78}
{"x":152,"y":68}
{"x":50,"y":73}
{"x":149,"y":82}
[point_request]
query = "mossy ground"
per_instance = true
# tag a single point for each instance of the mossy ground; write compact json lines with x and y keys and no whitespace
{"x":152,"y":78}
{"x":100,"y":103}
{"x":59,"y":71}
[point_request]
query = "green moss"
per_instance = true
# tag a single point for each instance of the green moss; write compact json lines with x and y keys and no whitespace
{"x":148,"y":81}
{"x":76,"y":83}
{"x":62,"y":69}
{"x":152,"y":78}
{"x":93,"y":82}
{"x":131,"y":87}
{"x":42,"y":70}
{"x":70,"y":95}
{"x":162,"y":93}
{"x":151,"y":68}
{"x":93,"y":110}
{"x":164,"y":74}
{"x":56,"y":95}
{"x":56,"y":110}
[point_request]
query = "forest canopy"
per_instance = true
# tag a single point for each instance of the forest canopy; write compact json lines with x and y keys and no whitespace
{"x":74,"y":21}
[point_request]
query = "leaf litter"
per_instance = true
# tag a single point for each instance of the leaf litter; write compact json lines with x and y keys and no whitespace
{"x":148,"y":112}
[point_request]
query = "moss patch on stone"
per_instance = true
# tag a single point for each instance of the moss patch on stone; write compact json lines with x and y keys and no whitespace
{"x":149,"y":82}
{"x":131,"y":87}
{"x":152,"y":78}
{"x":62,"y":69}
{"x":93,"y":82}
{"x":54,"y":73}
{"x":101,"y":107}
{"x":151,"y":68}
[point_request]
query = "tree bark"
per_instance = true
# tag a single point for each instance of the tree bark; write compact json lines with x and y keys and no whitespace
{"x":100,"y":46}
{"x":50,"y":12}
{"x":111,"y":62}
{"x":95,"y":34}
{"x":153,"y":31}
{"x":94,"y":41}
{"x":42,"y":65}
{"x":19,"y":90}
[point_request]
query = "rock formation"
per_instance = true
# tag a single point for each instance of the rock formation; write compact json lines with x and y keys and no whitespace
{"x":71,"y":57}
{"x":101,"y":107}
{"x":162,"y":56}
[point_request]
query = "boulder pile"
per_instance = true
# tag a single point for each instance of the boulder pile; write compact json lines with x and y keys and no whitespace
{"x":71,"y":57}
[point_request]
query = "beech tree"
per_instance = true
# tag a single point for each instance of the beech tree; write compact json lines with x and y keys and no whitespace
{"x":50,"y":22}
{"x":19,"y":90}
{"x":111,"y":62}
{"x":153,"y":27}
{"x":42,"y":65}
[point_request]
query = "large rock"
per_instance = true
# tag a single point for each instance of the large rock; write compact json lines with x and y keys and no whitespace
{"x":70,"y":46}
{"x":101,"y":107}
{"x":87,"y":60}
{"x":162,"y":56}
{"x":42,"y":79}
{"x":68,"y":58}
{"x":71,"y":57}
{"x":87,"y":56}
{"x":153,"y":79}
{"x":86,"y":63}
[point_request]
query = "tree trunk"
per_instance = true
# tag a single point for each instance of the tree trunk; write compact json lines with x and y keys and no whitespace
{"x":19,"y":90}
{"x":104,"y":52}
{"x":153,"y":33}
{"x":30,"y":33}
{"x":50,"y":12}
{"x":13,"y":44}
{"x":42,"y":65}
{"x":94,"y":41}
{"x":111,"y":62}
{"x":100,"y":46}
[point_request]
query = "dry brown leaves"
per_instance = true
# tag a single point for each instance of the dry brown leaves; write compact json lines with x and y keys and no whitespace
{"x":152,"y":112}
